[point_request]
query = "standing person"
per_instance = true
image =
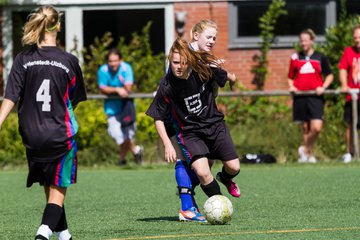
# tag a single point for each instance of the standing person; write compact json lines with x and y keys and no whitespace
{"x":349,"y":76}
{"x":116,"y":79}
{"x":47,"y":84}
{"x":306,"y":72}
{"x":186,"y":99}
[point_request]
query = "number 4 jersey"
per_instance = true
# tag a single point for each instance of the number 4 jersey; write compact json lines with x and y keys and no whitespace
{"x":47,"y":84}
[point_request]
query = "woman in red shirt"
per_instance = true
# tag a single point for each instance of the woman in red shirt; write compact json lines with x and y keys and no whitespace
{"x":306,"y":72}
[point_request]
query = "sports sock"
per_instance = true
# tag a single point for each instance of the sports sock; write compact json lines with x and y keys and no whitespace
{"x":62,"y":224}
{"x":64,"y":235}
{"x":51,"y":216}
{"x":194,"y":182}
{"x":184,"y":183}
{"x":137,"y":149}
{"x":226,"y":177}
{"x":211,"y":189}
{"x":44,"y":231}
{"x":193,"y":177}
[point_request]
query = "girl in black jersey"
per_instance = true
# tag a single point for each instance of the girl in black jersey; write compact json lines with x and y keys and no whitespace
{"x":186,"y":99}
{"x":203,"y":38}
{"x":47,"y":84}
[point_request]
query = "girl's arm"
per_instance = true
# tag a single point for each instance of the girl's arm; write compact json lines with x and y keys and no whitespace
{"x":170,"y":153}
{"x":6,"y":107}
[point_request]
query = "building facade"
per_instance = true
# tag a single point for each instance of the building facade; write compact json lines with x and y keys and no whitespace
{"x":238,"y":36}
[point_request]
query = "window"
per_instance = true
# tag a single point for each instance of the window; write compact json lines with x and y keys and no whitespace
{"x":352,"y":7}
{"x":244,"y":17}
{"x":122,"y":23}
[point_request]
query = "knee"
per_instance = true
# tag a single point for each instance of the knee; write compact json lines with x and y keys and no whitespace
{"x":232,"y":166}
{"x":204,"y":176}
{"x":316,"y":129}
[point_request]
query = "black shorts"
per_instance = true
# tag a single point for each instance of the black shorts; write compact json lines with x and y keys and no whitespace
{"x":213,"y":142}
{"x":61,"y":172}
{"x":348,"y":113}
{"x":306,"y":108}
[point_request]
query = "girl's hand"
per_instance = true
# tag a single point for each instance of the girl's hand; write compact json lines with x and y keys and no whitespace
{"x":170,"y":153}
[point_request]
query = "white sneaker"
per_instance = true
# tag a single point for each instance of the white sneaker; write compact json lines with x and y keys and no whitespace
{"x":346,"y":157}
{"x":303,"y":157}
{"x":312,"y":159}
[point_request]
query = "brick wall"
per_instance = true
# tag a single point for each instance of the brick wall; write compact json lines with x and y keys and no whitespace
{"x":239,"y":61}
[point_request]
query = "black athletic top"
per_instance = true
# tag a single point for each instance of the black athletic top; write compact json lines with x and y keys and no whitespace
{"x":188,"y":104}
{"x":47,"y":84}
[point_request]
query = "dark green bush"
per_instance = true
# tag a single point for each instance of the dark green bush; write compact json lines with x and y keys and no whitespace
{"x":11,"y":147}
{"x":265,"y":126}
{"x":261,"y":126}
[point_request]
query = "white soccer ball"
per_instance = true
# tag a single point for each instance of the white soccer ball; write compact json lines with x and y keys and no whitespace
{"x":218,"y":209}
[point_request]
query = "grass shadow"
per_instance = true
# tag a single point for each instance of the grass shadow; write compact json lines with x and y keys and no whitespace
{"x":156,"y":219}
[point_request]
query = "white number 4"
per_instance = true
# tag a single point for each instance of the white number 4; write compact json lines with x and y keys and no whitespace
{"x":43,"y":95}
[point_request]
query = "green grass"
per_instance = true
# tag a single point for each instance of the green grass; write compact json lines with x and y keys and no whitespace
{"x":278,"y":202}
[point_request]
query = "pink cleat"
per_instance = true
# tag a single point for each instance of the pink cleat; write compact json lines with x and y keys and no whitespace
{"x":231,"y":186}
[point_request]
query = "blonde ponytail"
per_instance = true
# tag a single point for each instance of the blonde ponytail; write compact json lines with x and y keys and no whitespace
{"x":43,"y":19}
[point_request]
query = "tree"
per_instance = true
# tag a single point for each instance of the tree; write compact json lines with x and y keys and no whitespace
{"x":267,"y":25}
{"x":339,"y":36}
{"x":148,"y":67}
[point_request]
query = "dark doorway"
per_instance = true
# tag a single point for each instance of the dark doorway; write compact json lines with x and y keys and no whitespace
{"x":124,"y":23}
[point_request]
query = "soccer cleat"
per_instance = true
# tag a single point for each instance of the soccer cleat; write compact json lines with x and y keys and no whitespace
{"x":122,"y":162}
{"x":312,"y":159}
{"x":40,"y":237}
{"x":303,"y":157}
{"x":191,"y":215}
{"x":347,"y":158}
{"x":230,"y":185}
{"x":139,"y":155}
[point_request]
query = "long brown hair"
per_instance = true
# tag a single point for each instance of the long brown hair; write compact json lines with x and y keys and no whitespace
{"x":43,"y":19}
{"x":199,"y":61}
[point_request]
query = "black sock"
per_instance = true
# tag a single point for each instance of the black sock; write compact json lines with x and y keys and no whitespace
{"x":51,"y":216}
{"x":62,"y":224}
{"x":211,"y":189}
{"x":226,"y":177}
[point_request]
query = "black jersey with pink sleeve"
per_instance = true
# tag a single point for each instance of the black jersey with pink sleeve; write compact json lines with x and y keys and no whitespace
{"x":188,"y":104}
{"x":307,"y":71}
{"x":47,"y":84}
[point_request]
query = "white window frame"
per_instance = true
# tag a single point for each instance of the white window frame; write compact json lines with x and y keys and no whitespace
{"x":74,"y":18}
{"x":281,"y":42}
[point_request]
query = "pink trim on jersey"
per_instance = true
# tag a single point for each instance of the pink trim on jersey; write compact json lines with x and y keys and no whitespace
{"x":67,"y":115}
{"x":69,"y":128}
{"x":72,"y":83}
{"x":179,"y":135}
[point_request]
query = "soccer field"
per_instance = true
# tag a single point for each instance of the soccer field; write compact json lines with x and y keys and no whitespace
{"x":319,"y":201}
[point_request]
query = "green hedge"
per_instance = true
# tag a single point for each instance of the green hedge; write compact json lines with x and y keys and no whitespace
{"x":257,"y":125}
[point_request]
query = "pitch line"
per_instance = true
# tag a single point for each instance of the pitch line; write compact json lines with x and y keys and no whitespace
{"x":241,"y":233}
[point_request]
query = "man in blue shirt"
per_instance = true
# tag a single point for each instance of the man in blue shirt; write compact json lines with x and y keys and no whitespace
{"x":116,"y":79}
